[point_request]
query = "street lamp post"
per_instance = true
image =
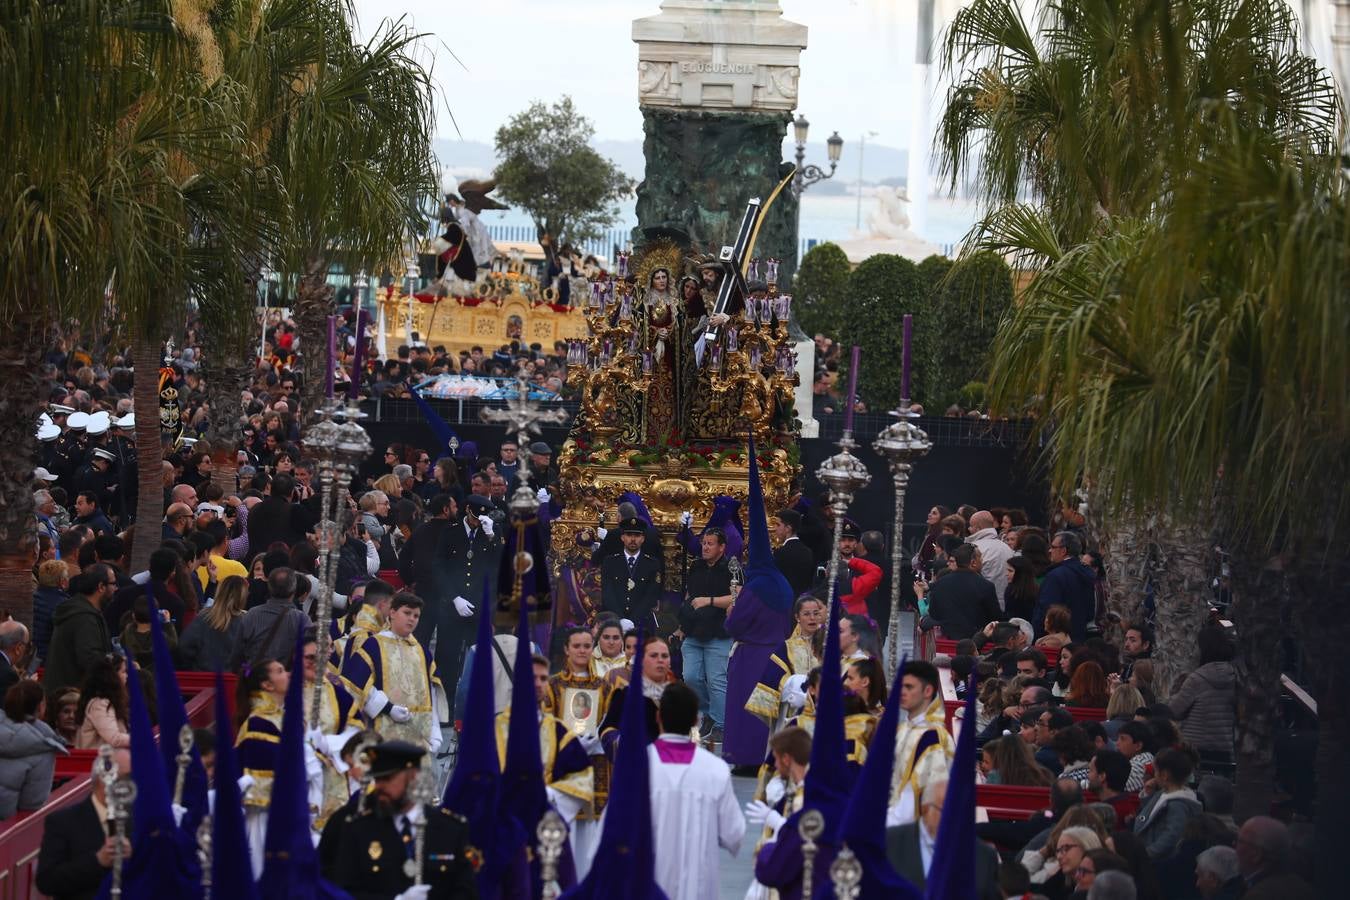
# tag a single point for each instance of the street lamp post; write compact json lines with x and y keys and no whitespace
{"x":809,"y":175}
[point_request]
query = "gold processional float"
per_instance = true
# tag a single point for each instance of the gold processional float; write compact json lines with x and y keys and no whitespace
{"x":676,"y":361}
{"x":682,"y":361}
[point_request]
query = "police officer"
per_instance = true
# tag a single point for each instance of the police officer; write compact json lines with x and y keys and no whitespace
{"x":468,"y":553}
{"x":630,"y":582}
{"x":123,"y":446}
{"x":377,"y":849}
{"x":96,"y":477}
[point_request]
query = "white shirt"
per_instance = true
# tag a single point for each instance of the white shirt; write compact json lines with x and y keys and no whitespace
{"x":694,"y":812}
{"x":994,"y":555}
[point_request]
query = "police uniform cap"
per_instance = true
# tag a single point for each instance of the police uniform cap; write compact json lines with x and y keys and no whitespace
{"x":633,"y":526}
{"x":391,"y":757}
{"x":478,"y":504}
{"x":851,"y":530}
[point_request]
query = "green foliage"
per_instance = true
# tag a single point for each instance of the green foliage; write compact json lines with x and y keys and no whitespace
{"x":967,"y":301}
{"x":549,"y":169}
{"x":820,"y":290}
{"x":880,"y":291}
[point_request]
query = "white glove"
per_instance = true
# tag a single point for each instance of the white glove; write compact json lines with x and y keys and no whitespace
{"x":416,"y":892}
{"x":485,"y":523}
{"x":399,"y":714}
{"x":245,"y":782}
{"x":591,"y":744}
{"x":686,"y":519}
{"x":316,"y":740}
{"x":794,"y":691}
{"x":542,"y":495}
{"x":627,"y":625}
{"x":463,"y":607}
{"x":774,"y":791}
{"x":602,"y":533}
{"x":757,"y":812}
{"x":178,"y":813}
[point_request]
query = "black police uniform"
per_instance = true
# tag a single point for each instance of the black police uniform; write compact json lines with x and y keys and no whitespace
{"x":631,"y":592}
{"x":372,"y":854}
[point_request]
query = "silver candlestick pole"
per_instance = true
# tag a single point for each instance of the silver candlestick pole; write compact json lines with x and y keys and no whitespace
{"x":183,"y":759}
{"x":843,"y":474}
{"x":118,"y":793}
{"x":204,"y":851}
{"x":523,"y":417}
{"x":338,"y":443}
{"x":846,"y":872}
{"x":552,"y":833}
{"x":810,"y":826}
{"x":423,"y":791}
{"x":901,"y":443}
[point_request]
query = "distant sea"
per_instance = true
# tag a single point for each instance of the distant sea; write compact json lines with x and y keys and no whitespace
{"x":828,"y":216}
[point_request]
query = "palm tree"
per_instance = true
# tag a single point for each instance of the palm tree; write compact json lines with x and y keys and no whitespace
{"x":353,"y":153}
{"x":1186,"y":374}
{"x":79,"y":205}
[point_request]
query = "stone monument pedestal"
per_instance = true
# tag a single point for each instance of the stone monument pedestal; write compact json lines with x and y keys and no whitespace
{"x":717,"y":85}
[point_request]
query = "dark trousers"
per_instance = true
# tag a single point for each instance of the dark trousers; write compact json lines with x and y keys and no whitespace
{"x":453,"y":635}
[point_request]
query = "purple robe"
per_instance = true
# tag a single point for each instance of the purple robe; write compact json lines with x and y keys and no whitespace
{"x":758,"y":630}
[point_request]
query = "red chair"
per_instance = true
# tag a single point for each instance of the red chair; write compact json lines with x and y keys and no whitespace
{"x":1086,"y":713}
{"x":391,"y":576}
{"x":1002,"y":801}
{"x":946,"y":645}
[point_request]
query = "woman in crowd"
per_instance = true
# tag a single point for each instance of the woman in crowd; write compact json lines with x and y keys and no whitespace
{"x":207,"y":643}
{"x":1204,"y":704}
{"x":61,"y":714}
{"x":1052,"y":865}
{"x":53,"y":579}
{"x":445,"y":481}
{"x":28,"y":749}
{"x":1141,"y":677}
{"x":1012,"y":763}
{"x":1169,"y":806}
{"x":928,"y":548}
{"x":102,"y":717}
{"x":865,"y":679}
{"x":1058,"y":621}
{"x":1019,"y":599}
{"x":1088,"y":686}
{"x":1094,"y":863}
{"x":1034,"y":547}
{"x":857,"y":639}
{"x":1125,"y":699}
{"x":375,"y":517}
{"x":1011,"y":520}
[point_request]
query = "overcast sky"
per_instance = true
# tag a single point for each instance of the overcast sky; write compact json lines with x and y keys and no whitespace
{"x":856,"y":70}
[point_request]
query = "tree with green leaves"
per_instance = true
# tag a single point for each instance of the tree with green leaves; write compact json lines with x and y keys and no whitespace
{"x":820,"y":289}
{"x":549,"y":169}
{"x":880,"y":291}
{"x":964,"y":306}
{"x":1186,"y":239}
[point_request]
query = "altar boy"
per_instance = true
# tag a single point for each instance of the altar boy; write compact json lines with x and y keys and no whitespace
{"x":394,"y":679}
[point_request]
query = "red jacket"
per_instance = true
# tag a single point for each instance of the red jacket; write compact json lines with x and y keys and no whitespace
{"x":866,"y":577}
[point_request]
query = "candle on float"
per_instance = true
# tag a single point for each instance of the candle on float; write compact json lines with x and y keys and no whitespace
{"x":332,"y":358}
{"x":905,"y":358}
{"x":852,"y":386}
{"x":357,"y":357}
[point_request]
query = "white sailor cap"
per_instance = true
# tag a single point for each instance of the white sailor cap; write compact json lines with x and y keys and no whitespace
{"x":98,"y":423}
{"x":60,"y":409}
{"x":78,"y":421}
{"x":48,"y":432}
{"x":100,"y":453}
{"x":127,"y":421}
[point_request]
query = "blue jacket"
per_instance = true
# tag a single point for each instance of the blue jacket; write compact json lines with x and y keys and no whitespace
{"x":45,"y":602}
{"x":1072,"y":584}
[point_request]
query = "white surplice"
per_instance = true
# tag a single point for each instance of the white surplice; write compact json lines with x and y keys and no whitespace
{"x":694,"y":812}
